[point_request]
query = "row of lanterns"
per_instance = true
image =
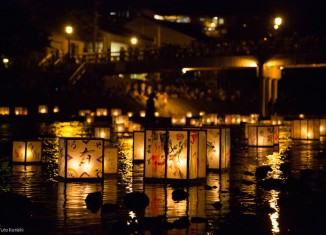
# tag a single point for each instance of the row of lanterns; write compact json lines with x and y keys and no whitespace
{"x":172,"y":153}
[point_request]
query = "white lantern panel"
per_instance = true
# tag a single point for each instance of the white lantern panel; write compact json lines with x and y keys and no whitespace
{"x":306,"y":129}
{"x":154,"y":153}
{"x":81,"y":158}
{"x":27,"y":151}
{"x":177,"y":158}
{"x":139,"y":145}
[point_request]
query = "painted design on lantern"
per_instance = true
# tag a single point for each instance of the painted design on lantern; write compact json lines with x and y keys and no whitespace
{"x":19,"y":152}
{"x":213,"y":151}
{"x":194,"y":159}
{"x":33,"y":151}
{"x":252,"y":135}
{"x":83,"y":158}
{"x":156,"y":152}
{"x":176,"y":157}
{"x":266,"y":136}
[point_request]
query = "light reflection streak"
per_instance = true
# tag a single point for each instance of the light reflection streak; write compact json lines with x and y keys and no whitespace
{"x":274,"y":216}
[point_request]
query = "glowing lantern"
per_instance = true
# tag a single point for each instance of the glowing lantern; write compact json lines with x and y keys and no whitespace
{"x":27,"y":151}
{"x":308,"y":129}
{"x":178,"y":119}
{"x":134,"y":126}
{"x":81,"y":158}
{"x":20,"y":111}
{"x":4,"y":110}
{"x":189,"y":114}
{"x":138,"y":145}
{"x":56,"y":109}
{"x":232,"y":119}
{"x":195,"y":122}
{"x":111,"y":160}
{"x":115,"y":112}
{"x":175,"y":154}
{"x":142,"y":113}
{"x":276,"y":120}
{"x":84,"y":112}
{"x":121,"y":119}
{"x":89,"y":119}
{"x":102,"y":132}
{"x":201,"y":113}
{"x":260,"y":135}
{"x":209,"y":119}
{"x":101,"y":112}
{"x":218,"y":148}
{"x":119,"y":127}
{"x":43,"y":109}
{"x":254,"y":117}
{"x":322,"y":127}
{"x":130,"y":114}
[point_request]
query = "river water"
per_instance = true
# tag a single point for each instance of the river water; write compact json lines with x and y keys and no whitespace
{"x":290,"y":203}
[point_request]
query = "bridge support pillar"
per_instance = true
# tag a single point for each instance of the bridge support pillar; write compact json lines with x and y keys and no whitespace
{"x":268,"y":78}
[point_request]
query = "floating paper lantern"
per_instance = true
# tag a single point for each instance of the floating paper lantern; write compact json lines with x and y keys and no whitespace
{"x":81,"y":158}
{"x":27,"y":151}
{"x":142,"y":113}
{"x":175,"y":154}
{"x":194,"y":122}
{"x":89,"y":119}
{"x":84,"y":112}
{"x":4,"y":110}
{"x":101,"y":112}
{"x":138,"y":145}
{"x":119,"y":127}
{"x":218,"y":148}
{"x":102,"y":132}
{"x":232,"y":119}
{"x":260,"y":135}
{"x":43,"y":109}
{"x":20,"y":111}
{"x":189,"y":114}
{"x":306,"y":129}
{"x":115,"y":112}
{"x":134,"y":126}
{"x":111,"y":160}
{"x":178,"y":119}
{"x":210,"y":119}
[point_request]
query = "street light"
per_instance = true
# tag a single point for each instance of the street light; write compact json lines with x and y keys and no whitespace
{"x":69,"y":30}
{"x":277,"y":22}
{"x":134,"y":40}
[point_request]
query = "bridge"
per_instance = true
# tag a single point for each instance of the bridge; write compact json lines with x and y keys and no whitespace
{"x":267,"y":60}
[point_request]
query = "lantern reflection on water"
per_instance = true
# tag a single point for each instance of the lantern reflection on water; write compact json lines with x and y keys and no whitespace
{"x":262,"y":135}
{"x":218,"y":148}
{"x":81,"y":158}
{"x":306,"y":129}
{"x":175,"y":154}
{"x":71,"y":206}
{"x":138,"y":145}
{"x":27,"y":151}
{"x":161,"y":202}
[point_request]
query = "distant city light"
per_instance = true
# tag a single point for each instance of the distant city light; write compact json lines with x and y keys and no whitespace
{"x":134,"y":40}
{"x":69,"y":29}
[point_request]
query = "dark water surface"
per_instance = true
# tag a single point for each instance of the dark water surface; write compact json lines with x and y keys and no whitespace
{"x":289,"y":200}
